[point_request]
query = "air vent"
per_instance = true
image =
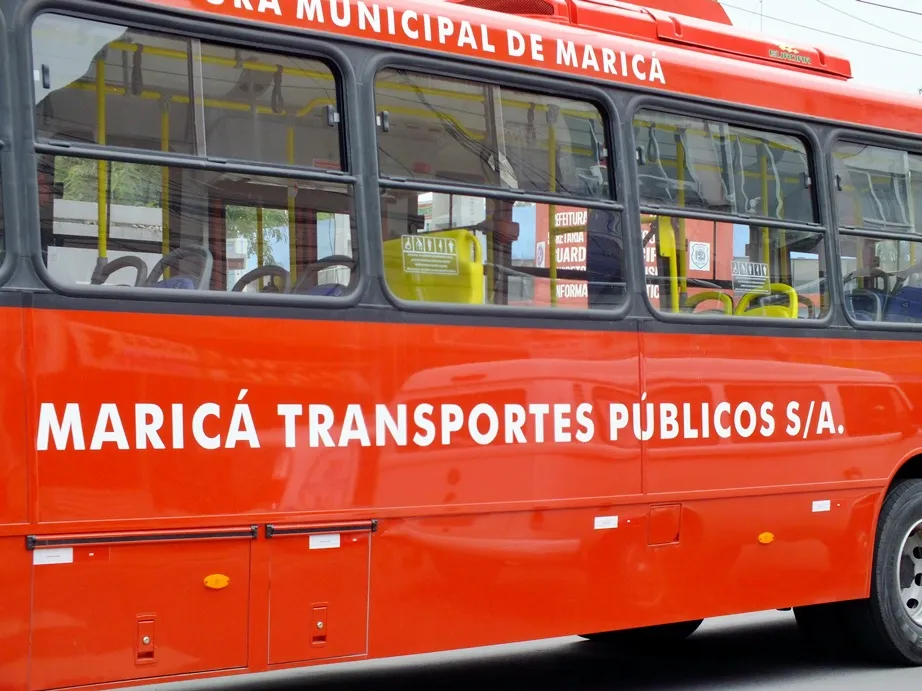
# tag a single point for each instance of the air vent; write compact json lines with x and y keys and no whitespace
{"x":530,"y":7}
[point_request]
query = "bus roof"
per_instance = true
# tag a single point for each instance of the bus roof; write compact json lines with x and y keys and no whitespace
{"x":694,"y":57}
{"x":701,"y":26}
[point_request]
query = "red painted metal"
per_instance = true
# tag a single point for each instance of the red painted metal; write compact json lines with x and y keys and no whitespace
{"x":163,"y":579}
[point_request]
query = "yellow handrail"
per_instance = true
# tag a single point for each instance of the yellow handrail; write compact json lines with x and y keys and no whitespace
{"x":165,"y":183}
{"x":292,"y":213}
{"x":102,"y":167}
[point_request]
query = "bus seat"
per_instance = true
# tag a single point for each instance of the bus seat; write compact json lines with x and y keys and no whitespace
{"x":177,"y":282}
{"x":270,"y":272}
{"x":199,"y":280}
{"x":771,"y":311}
{"x":866,"y":304}
{"x":788,"y":311}
{"x":904,"y":306}
{"x":697,"y":298}
{"x":306,"y":282}
{"x":105,"y":268}
{"x":326,"y":289}
{"x":441,"y":266}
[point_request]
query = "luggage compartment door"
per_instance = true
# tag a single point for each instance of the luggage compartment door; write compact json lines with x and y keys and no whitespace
{"x":318,"y":591}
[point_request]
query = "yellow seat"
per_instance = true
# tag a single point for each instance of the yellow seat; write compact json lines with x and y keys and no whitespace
{"x":442,"y":266}
{"x":788,"y":311}
{"x":694,"y":300}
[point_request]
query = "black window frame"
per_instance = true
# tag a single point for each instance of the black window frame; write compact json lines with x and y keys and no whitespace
{"x":754,"y":119}
{"x":227,"y":33}
{"x":529,"y":80}
{"x":854,"y":136}
{"x":9,"y":238}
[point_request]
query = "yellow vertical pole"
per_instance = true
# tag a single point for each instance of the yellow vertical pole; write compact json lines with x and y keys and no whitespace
{"x":165,"y":181}
{"x":859,"y":243}
{"x":260,"y":241}
{"x":552,"y":211}
{"x":292,"y":211}
{"x":490,"y":296}
{"x":102,"y":167}
{"x":912,"y":223}
{"x":674,"y":270}
{"x":678,"y":262}
{"x":766,"y":245}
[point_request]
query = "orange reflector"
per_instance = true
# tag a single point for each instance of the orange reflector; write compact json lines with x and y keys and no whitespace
{"x":216,"y":581}
{"x":766,"y":538}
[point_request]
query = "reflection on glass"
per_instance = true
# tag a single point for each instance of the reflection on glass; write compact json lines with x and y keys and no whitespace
{"x":733,"y":270}
{"x":167,"y":227}
{"x":454,"y":130}
{"x":710,"y":165}
{"x":882,"y":279}
{"x":877,"y":188}
{"x":116,"y":85}
{"x":472,"y":250}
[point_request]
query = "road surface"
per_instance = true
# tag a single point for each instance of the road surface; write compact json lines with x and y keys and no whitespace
{"x":757,"y":651}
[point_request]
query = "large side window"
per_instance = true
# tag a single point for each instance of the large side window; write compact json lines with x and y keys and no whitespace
{"x":198,"y":218}
{"x":878,"y":197}
{"x":452,"y":152}
{"x":729,"y":219}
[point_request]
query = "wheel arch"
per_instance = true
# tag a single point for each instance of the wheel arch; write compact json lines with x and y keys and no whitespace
{"x":909,"y":468}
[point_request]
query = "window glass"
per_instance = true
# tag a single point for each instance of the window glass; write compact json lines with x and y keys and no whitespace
{"x":708,"y":165}
{"x":269,"y":108}
{"x":454,"y":130}
{"x":877,"y":188}
{"x":732,"y":269}
{"x":473,"y":250}
{"x":119,"y":86}
{"x":130,"y":224}
{"x":882,"y":279}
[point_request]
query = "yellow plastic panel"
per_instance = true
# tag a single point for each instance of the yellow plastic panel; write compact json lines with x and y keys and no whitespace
{"x":443,"y":266}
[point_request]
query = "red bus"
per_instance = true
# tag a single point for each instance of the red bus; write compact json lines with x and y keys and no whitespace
{"x":348,"y":329}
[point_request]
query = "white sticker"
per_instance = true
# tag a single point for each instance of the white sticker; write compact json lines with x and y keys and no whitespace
{"x":55,"y":555}
{"x":604,"y":522}
{"x":431,"y":255}
{"x":821,"y":506}
{"x":750,"y":277}
{"x":326,"y":541}
{"x":699,"y":256}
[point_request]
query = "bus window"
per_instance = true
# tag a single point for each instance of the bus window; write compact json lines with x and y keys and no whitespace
{"x":454,"y":130}
{"x":879,"y":190}
{"x":726,"y":266}
{"x":177,"y":225}
{"x":707,"y":165}
{"x":469,"y":247}
{"x":734,"y":269}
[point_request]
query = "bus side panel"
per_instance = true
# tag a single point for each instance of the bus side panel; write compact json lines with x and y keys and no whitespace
{"x":740,"y":417}
{"x":336,"y":372}
{"x":748,"y":412}
{"x":452,"y":582}
{"x":455,"y":582}
{"x":15,"y":565}
{"x":746,"y":554}
{"x":117,"y":611}
{"x":14,"y":490}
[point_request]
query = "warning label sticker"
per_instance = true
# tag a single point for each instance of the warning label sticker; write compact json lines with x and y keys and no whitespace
{"x":429,"y":255}
{"x":750,"y":277}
